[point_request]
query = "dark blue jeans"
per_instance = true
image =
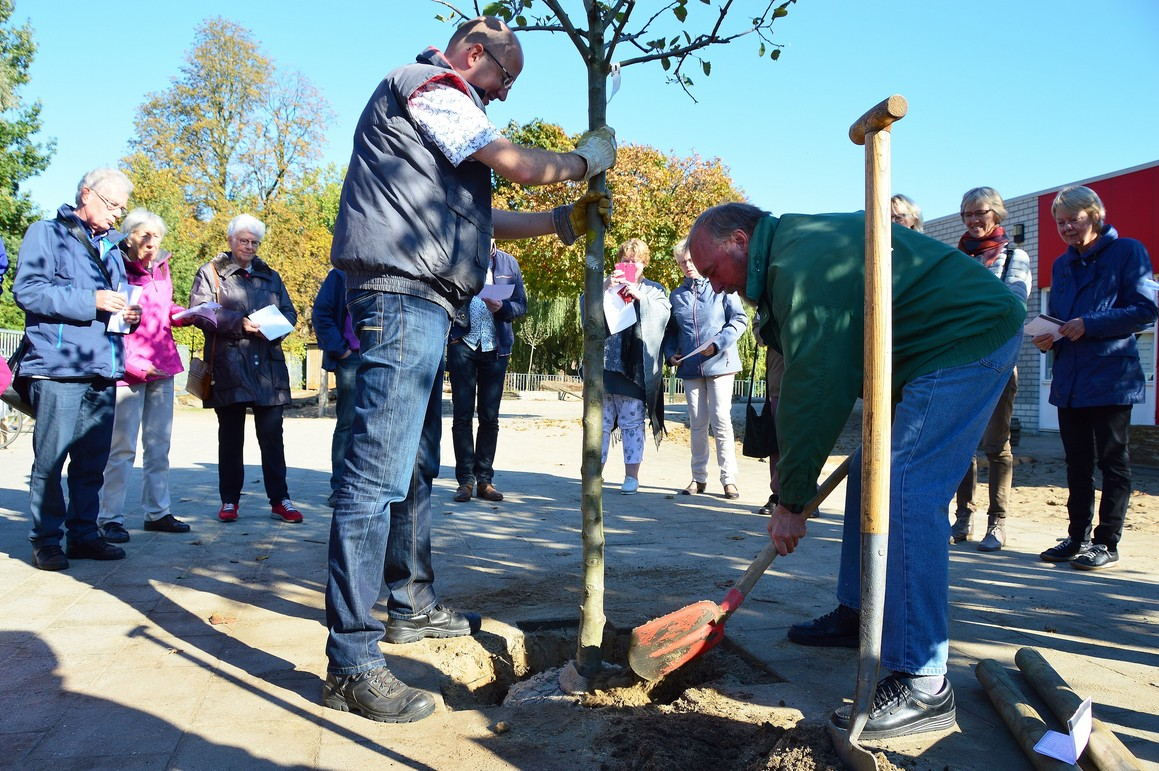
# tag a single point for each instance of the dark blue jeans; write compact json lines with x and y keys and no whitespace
{"x":346,"y":374}
{"x":401,"y":340}
{"x":76,"y":424}
{"x":476,"y":387}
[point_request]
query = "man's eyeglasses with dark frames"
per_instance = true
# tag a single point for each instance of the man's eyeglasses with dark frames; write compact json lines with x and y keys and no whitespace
{"x":508,"y":78}
{"x":116,"y":207}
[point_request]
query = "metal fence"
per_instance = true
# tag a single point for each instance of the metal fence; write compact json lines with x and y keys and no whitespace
{"x":9,"y":341}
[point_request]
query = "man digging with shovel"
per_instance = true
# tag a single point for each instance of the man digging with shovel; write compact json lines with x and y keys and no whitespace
{"x":954,"y":345}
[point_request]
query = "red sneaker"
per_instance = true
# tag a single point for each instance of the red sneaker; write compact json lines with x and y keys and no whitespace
{"x":286,"y":512}
{"x":228,"y":512}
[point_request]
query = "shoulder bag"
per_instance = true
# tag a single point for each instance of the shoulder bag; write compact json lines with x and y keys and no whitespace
{"x":760,"y":428}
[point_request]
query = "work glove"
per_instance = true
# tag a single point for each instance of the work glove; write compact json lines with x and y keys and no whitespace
{"x":571,"y":220}
{"x":598,"y":148}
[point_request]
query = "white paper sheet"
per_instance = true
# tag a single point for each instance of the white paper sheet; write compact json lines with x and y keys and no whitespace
{"x":273,"y":324}
{"x":619,"y":314}
{"x":496,"y":291}
{"x":206,"y":311}
{"x":117,"y":323}
{"x":1067,"y":747}
{"x":1044,"y":325}
{"x":693,"y":352}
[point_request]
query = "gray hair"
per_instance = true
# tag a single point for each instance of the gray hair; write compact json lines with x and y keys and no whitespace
{"x":142,"y":218}
{"x":985,"y":196}
{"x":104,"y":180}
{"x":909,"y":206}
{"x":1077,"y":199}
{"x":680,"y":250}
{"x":721,"y":221}
{"x":247,"y":223}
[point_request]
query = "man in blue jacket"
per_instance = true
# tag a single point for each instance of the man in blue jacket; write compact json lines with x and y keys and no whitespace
{"x":477,"y":357}
{"x":339,"y":344}
{"x":67,"y":280}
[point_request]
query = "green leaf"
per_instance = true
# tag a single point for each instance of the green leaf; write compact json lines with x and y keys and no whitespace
{"x":680,"y":12}
{"x":776,"y":54}
{"x":761,"y":52}
{"x":665,"y":63}
{"x":779,"y":12}
{"x":521,"y":21}
{"x":707,"y":67}
{"x":657,"y":44}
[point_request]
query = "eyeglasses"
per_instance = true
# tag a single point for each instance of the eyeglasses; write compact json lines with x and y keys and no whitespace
{"x":978,"y":214}
{"x":249,"y":242}
{"x":118,"y":208}
{"x":508,"y":78}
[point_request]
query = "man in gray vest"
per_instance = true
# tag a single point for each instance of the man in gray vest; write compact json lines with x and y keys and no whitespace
{"x":413,"y":235}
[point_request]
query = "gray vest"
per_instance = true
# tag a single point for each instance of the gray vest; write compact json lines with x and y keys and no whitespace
{"x":409,"y":222}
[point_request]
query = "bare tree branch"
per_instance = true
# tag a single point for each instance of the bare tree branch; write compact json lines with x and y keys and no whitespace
{"x":618,"y":30}
{"x":577,"y":36}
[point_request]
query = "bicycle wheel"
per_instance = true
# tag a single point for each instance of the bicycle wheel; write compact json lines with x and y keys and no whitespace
{"x":11,"y":424}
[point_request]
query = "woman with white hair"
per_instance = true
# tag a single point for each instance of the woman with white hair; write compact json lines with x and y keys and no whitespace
{"x":248,"y":370}
{"x":145,"y":393}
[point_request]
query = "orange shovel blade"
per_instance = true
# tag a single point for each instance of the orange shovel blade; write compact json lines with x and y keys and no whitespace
{"x":666,"y":643}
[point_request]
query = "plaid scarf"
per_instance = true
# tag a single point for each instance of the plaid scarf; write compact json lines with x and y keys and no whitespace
{"x":985,"y":250}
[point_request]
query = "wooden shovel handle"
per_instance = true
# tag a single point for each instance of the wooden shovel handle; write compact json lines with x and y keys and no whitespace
{"x":769,"y":553}
{"x":879,"y":118}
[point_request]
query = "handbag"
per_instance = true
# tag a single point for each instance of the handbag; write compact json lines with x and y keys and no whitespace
{"x":16,"y":393}
{"x":199,"y":380}
{"x":760,"y":428}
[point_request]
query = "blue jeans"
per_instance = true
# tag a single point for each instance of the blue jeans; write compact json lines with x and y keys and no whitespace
{"x":409,"y":572}
{"x":476,"y":387}
{"x":936,"y":428}
{"x":346,"y":375}
{"x":401,"y":340}
{"x":76,"y":424}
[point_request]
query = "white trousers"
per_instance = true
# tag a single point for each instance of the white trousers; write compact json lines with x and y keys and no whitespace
{"x":710,"y":403}
{"x":145,"y":409}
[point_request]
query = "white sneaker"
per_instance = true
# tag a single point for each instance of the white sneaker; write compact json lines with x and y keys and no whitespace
{"x":630,"y":486}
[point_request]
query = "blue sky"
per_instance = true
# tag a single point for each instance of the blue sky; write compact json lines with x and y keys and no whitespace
{"x":1023,"y":96}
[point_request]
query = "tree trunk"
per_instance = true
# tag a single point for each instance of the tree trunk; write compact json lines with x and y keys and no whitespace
{"x":589,"y":659}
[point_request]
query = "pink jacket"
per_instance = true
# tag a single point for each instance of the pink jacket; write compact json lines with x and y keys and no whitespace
{"x":151,"y":343}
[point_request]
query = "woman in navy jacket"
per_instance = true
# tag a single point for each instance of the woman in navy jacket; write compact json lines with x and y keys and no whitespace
{"x":1098,"y":289}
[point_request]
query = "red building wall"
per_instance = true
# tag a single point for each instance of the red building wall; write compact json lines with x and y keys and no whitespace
{"x":1132,"y":202}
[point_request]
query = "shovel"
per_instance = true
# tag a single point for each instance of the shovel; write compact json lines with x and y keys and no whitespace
{"x":665,"y":644}
{"x":872,"y":130}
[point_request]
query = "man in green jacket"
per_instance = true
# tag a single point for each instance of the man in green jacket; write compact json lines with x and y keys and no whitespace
{"x":954,"y":345}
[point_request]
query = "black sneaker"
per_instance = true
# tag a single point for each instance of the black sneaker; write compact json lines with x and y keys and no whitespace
{"x":115,"y":532}
{"x":1097,"y":557}
{"x":899,"y":710}
{"x":96,"y":549}
{"x":377,"y":695}
{"x":49,"y":558}
{"x":836,"y":629}
{"x":1066,"y":550}
{"x":440,"y":622}
{"x":167,"y":524}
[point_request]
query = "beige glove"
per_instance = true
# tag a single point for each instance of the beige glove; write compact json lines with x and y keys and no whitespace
{"x":598,"y":149}
{"x":571,"y":221}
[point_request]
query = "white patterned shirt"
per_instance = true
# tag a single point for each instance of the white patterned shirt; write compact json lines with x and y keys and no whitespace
{"x":451,"y":120}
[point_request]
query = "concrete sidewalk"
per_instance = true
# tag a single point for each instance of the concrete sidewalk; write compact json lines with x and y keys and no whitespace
{"x":205,"y":650}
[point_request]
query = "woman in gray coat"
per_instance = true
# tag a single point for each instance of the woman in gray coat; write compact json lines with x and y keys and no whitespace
{"x":249,"y":370}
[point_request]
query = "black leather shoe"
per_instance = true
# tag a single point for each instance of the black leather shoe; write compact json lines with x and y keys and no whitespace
{"x":167,"y":524}
{"x":836,"y":629}
{"x":899,"y":710}
{"x":769,"y":506}
{"x":694,"y":488}
{"x":115,"y":532}
{"x":440,"y":622}
{"x":1067,"y":550}
{"x":96,"y":549}
{"x":49,"y":558}
{"x":377,"y":695}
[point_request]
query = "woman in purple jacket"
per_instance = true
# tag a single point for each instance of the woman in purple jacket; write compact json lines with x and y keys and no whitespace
{"x":145,"y":396}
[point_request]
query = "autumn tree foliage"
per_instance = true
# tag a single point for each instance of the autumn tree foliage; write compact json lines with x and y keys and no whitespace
{"x":232,"y":134}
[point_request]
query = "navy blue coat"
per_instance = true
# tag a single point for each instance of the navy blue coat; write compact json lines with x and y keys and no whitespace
{"x":1103,"y":286}
{"x":329,"y":319}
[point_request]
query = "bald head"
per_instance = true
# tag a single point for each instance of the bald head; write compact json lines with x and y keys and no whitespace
{"x":485,"y":52}
{"x":487,"y":31}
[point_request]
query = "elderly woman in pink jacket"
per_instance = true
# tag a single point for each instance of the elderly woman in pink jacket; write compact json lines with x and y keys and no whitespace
{"x":145,"y":396}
